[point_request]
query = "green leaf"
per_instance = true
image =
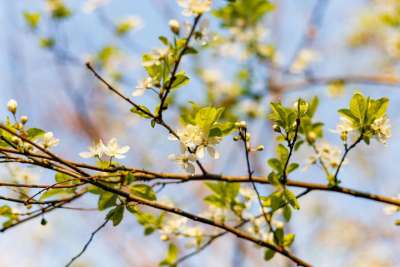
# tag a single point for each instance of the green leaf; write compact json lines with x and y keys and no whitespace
{"x":358,"y":105}
{"x":143,"y":191}
{"x":347,"y":113}
{"x":288,"y":240}
{"x":312,"y":108}
{"x":116,"y":215}
{"x":164,"y":40}
{"x":283,"y":152}
{"x":206,"y":117}
{"x":279,"y":235}
{"x":275,"y":164}
{"x":55,"y":191}
{"x":378,"y":108}
{"x":190,"y":50}
{"x":5,"y":210}
{"x":214,"y":200}
{"x":278,"y":114}
{"x":125,"y":27}
{"x":172,"y":256}
{"x":59,"y":10}
{"x":225,"y":127}
{"x":224,"y":194}
{"x":291,"y":198}
{"x":268,"y":254}
{"x":180,"y":80}
{"x":106,"y":200}
{"x":65,"y":179}
{"x":287,"y":213}
{"x":215,"y":132}
{"x":142,"y":111}
{"x":32,"y":19}
{"x":34,"y":133}
{"x":292,"y":167}
{"x":47,"y":42}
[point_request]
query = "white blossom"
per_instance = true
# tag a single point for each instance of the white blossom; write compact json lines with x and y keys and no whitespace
{"x":49,"y":140}
{"x":142,"y":86}
{"x":344,"y":126}
{"x":185,"y":161}
{"x":202,"y":34}
{"x":97,"y":150}
{"x":24,"y":175}
{"x":194,"y":7}
{"x":91,"y":5}
{"x":156,"y":56}
{"x":197,"y":140}
{"x":382,"y":129}
{"x":113,"y":150}
{"x":303,"y":60}
{"x":390,"y":210}
{"x":246,"y":192}
{"x":328,"y":154}
{"x":172,"y":226}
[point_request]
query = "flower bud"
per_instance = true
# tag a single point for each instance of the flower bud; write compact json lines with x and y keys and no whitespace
{"x":248,"y":136}
{"x":43,"y":221}
{"x":276,"y":128}
{"x":15,"y":140}
{"x":18,"y":126}
{"x":164,"y":238}
{"x":12,"y":106}
{"x":174,"y":26}
{"x":311,"y":137}
{"x":24,"y":120}
{"x":28,"y":147}
{"x":240,"y":124}
{"x":343,"y":136}
{"x":278,"y":224}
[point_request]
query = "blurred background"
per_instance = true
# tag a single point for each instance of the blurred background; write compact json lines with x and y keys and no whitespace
{"x":43,"y":69}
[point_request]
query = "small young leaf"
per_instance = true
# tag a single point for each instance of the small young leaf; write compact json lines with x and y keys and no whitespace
{"x":269,"y":254}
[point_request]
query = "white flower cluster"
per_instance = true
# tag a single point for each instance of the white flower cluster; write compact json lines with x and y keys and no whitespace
{"x":194,"y":7}
{"x":178,"y":227}
{"x":194,"y":141}
{"x":303,"y":60}
{"x":328,"y":154}
{"x":23,"y":175}
{"x":381,"y":128}
{"x":258,"y":229}
{"x":48,"y":139}
{"x":111,"y":150}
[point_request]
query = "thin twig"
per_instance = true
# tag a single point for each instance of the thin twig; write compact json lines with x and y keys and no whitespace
{"x":243,"y":136}
{"x":87,"y":243}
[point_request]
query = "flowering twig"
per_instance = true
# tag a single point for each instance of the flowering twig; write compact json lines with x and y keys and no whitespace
{"x":164,"y":93}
